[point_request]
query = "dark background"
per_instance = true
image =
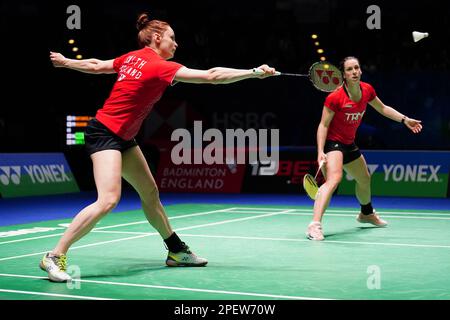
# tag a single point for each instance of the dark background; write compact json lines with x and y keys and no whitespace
{"x":411,"y":77}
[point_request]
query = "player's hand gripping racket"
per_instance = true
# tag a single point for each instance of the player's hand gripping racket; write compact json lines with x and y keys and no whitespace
{"x":323,"y":75}
{"x":310,"y":183}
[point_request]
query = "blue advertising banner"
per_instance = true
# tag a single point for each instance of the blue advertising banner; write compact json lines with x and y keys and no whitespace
{"x":405,"y":173}
{"x":25,"y":174}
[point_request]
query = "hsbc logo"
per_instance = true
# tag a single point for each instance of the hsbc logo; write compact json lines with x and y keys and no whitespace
{"x":10,"y":174}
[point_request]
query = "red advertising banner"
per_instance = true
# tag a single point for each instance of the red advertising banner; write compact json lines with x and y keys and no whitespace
{"x":213,"y":178}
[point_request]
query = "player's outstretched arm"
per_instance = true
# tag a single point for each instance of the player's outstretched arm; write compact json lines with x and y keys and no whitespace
{"x":220,"y":75}
{"x":412,"y":124}
{"x":95,"y":66}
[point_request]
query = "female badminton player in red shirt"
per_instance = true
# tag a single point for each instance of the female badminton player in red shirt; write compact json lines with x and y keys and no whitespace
{"x":341,"y":116}
{"x":143,"y":75}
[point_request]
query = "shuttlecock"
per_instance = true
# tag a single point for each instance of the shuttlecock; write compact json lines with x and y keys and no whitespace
{"x":417,"y":36}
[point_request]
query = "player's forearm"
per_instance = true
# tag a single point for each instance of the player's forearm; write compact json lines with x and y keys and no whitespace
{"x":221,"y":75}
{"x":392,"y":114}
{"x":322,"y":132}
{"x":84,"y":65}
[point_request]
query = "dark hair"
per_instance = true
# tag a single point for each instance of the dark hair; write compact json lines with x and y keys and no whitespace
{"x":343,"y":61}
{"x":147,"y":28}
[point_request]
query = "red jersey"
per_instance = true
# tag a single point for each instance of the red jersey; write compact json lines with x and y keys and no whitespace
{"x":142,"y":78}
{"x":347,"y":113}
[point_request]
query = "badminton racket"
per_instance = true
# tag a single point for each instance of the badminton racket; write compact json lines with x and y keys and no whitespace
{"x":323,"y":75}
{"x":310,"y":183}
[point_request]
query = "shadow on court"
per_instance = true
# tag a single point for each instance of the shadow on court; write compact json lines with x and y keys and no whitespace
{"x":352,"y":231}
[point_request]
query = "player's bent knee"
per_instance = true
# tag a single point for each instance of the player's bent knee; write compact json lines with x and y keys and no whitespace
{"x":108,"y":203}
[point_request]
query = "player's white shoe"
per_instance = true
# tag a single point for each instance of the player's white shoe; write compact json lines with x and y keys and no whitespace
{"x":185,"y":258}
{"x":372,"y":218}
{"x":314,"y":231}
{"x":56,"y":267}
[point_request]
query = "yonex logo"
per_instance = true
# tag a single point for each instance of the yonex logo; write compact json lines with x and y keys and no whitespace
{"x":326,"y":75}
{"x":414,"y":173}
{"x":406,"y":173}
{"x":37,"y":174}
{"x":371,"y":167}
{"x":10,"y":174}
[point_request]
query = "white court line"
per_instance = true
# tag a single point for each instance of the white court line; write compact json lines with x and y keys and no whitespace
{"x":146,"y":235}
{"x":324,"y":242}
{"x":78,"y":247}
{"x":256,"y":210}
{"x":170,"y":218}
{"x":122,"y":232}
{"x":53,"y":294}
{"x":122,"y":225}
{"x":298,"y":212}
{"x":295,"y":240}
{"x":345,"y":211}
{"x":33,"y":238}
{"x":238,"y":293}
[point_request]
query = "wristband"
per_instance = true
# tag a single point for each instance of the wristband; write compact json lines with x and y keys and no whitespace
{"x":403,"y":119}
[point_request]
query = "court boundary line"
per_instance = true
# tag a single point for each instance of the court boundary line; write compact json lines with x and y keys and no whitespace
{"x":149,"y":286}
{"x":291,"y":239}
{"x":401,"y":211}
{"x":330,"y":212}
{"x":309,"y":213}
{"x":327,"y":241}
{"x":121,"y":225}
{"x":54,"y":294}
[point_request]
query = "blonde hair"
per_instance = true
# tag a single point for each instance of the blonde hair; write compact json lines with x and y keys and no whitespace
{"x":147,"y":28}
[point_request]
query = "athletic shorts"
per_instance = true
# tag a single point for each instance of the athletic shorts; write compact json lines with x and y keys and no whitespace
{"x":350,"y":151}
{"x":98,"y":137}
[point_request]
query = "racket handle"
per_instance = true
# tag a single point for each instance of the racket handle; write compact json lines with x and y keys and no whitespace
{"x":320,"y":167}
{"x":259,"y":71}
{"x":321,"y":163}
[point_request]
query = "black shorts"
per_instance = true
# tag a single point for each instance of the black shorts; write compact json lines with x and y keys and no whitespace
{"x":350,"y":151}
{"x":98,"y":137}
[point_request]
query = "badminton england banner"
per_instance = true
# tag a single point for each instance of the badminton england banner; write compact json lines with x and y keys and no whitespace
{"x":26,"y":174}
{"x":405,"y":173}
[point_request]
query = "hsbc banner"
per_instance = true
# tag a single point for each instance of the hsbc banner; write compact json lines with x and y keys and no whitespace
{"x":26,"y":174}
{"x":286,"y":176}
{"x":209,"y":178}
{"x":405,"y":173}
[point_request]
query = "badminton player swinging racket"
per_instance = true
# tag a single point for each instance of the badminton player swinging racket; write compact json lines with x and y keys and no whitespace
{"x":143,"y":76}
{"x":341,"y":116}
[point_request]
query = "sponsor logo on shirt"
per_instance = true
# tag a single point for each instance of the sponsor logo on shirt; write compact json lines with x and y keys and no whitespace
{"x":354,"y":117}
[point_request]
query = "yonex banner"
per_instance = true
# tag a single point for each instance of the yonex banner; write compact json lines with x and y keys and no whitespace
{"x":25,"y":174}
{"x":404,"y":173}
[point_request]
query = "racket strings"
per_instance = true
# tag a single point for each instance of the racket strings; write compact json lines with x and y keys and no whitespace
{"x":310,"y":186}
{"x":325,"y":76}
{"x":311,"y":180}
